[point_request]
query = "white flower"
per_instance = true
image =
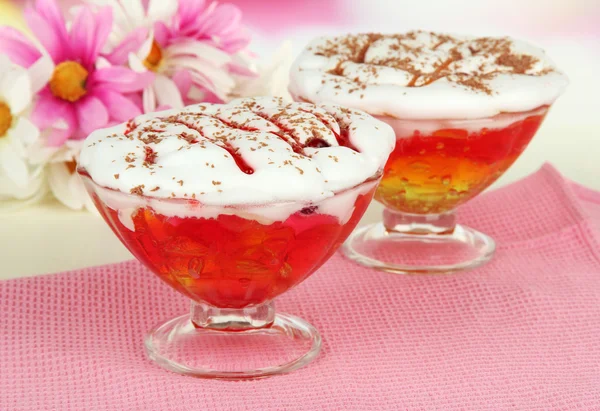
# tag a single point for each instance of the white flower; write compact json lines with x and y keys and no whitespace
{"x":273,"y":76}
{"x":20,"y":179}
{"x":65,"y":184}
{"x":179,"y":68}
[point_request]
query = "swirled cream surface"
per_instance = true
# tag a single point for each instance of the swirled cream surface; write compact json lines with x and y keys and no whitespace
{"x":425,"y":75}
{"x":249,"y":151}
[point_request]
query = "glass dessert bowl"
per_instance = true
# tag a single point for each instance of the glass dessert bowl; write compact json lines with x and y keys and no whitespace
{"x":463,"y":109}
{"x":225,"y":238}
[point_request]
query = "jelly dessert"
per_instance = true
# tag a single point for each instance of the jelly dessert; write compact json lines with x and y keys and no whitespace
{"x":232,"y":205}
{"x":238,"y":259}
{"x":463,"y":109}
{"x":437,"y":166}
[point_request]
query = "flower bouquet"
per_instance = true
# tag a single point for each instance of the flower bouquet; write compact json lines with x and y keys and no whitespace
{"x":103,"y":62}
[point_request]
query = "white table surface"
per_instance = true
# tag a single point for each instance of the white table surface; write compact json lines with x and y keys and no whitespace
{"x":48,"y":237}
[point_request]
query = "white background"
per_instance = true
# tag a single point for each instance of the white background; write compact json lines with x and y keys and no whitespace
{"x":50,"y":238}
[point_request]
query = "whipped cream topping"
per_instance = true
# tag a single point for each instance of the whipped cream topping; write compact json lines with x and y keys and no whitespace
{"x":423,"y":75}
{"x":249,"y":151}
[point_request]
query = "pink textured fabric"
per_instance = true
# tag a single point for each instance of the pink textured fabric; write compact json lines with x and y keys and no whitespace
{"x":522,"y":332}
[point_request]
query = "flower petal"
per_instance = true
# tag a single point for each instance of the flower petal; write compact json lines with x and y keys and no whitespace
{"x":88,"y":203}
{"x":13,"y":165}
{"x":68,"y":187}
{"x":201,"y":81}
{"x":82,"y":33}
{"x":241,"y":70}
{"x":136,"y":98}
{"x":162,"y":34}
{"x":57,"y":136}
{"x":233,"y":43}
{"x":25,"y":132}
{"x":119,"y":107}
{"x":167,"y":93}
{"x":121,"y":79}
{"x":183,"y":81}
{"x":102,"y":63}
{"x":40,"y":154}
{"x":149,"y":100}
{"x":161,"y":10}
{"x":91,"y":114}
{"x":32,"y":191}
{"x":47,"y":109}
{"x":130,"y":44}
{"x":5,"y":64}
{"x":15,"y":89}
{"x":134,"y":10}
{"x":104,"y":23}
{"x":56,"y":115}
{"x":21,"y":197}
{"x":225,"y":18}
{"x":66,"y":152}
{"x":40,"y":73}
{"x":17,"y":47}
{"x":201,"y":50}
{"x":146,"y":47}
{"x":89,"y":33}
{"x":136,"y":64}
{"x":64,"y":186}
{"x":48,"y":25}
{"x":218,"y":78}
{"x":188,"y":12}
{"x":193,"y":17}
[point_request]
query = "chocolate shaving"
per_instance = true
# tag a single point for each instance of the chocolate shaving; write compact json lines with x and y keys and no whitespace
{"x":138,"y":190}
{"x":404,"y":55}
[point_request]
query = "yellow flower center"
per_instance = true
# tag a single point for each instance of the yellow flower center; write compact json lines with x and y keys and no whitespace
{"x":68,"y":81}
{"x":154,"y":58}
{"x":5,"y":119}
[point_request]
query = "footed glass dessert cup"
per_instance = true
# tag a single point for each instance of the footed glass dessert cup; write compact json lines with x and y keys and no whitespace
{"x":232,"y":262}
{"x":463,"y":109}
{"x":436,"y":166}
{"x":232,"y":205}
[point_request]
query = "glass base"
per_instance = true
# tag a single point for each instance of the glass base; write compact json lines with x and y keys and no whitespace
{"x":284,"y":345}
{"x":397,"y":252}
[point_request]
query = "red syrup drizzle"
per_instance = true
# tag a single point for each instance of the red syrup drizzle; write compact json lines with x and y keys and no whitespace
{"x":130,"y":127}
{"x":236,"y":126}
{"x":317,"y":142}
{"x":286,"y":136}
{"x":297,"y":148}
{"x":343,"y":137}
{"x":237,"y":157}
{"x":149,"y":155}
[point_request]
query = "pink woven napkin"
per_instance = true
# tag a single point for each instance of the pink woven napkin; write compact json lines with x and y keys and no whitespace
{"x":521,"y":332}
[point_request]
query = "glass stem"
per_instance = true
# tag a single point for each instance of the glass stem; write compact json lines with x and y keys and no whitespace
{"x":232,"y":319}
{"x":420,"y":224}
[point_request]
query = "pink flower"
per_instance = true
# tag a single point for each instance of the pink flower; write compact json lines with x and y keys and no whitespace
{"x":78,"y":92}
{"x":193,"y":53}
{"x":217,"y":24}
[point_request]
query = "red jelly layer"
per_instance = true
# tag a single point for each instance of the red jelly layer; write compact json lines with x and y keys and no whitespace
{"x":230,"y":261}
{"x":437,"y":171}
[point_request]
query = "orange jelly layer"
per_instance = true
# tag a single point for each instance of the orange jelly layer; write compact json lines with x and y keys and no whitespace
{"x":230,"y":261}
{"x":436,"y":172}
